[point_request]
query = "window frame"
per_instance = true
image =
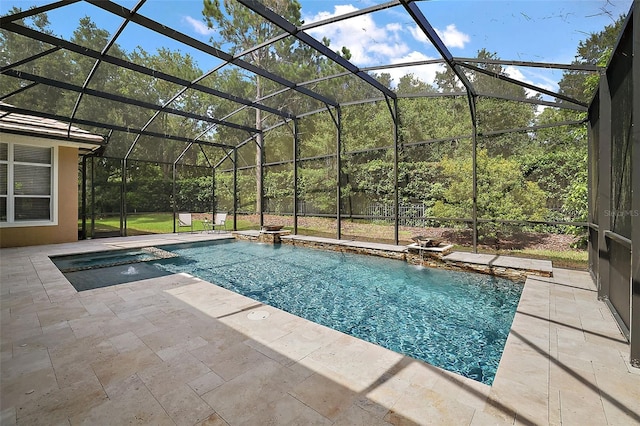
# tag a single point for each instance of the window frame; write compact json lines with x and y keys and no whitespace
{"x":11,"y":196}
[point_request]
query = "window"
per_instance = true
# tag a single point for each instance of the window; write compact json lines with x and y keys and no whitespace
{"x":27,"y":184}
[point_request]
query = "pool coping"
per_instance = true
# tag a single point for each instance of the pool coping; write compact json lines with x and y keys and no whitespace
{"x":565,"y":360}
{"x":514,"y":268}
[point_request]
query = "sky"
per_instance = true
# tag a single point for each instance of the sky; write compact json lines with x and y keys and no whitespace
{"x":523,"y":30}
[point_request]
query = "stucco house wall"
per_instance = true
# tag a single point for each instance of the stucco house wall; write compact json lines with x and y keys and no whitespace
{"x":66,"y":229}
{"x":67,"y":143}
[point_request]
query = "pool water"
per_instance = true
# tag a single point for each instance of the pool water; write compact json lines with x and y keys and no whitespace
{"x":454,"y":320}
{"x":93,"y":270}
{"x":101,"y":259}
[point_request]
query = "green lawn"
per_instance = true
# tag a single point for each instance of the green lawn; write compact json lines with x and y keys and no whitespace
{"x":162,"y":223}
{"x":154,"y":223}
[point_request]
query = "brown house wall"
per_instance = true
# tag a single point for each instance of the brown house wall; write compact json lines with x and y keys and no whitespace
{"x":67,"y":228}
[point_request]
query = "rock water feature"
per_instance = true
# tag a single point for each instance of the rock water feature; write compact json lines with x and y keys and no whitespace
{"x":427,"y":251}
{"x":272,"y":233}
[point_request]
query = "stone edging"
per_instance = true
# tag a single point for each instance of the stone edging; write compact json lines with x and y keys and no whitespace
{"x":411,"y":254}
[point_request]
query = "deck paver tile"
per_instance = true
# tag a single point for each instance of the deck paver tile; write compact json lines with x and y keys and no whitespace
{"x":180,"y":348}
{"x":236,"y":360}
{"x":563,"y":317}
{"x":474,"y":394}
{"x":206,"y":383}
{"x":580,"y":408}
{"x":606,"y":338}
{"x":276,"y":355}
{"x":184,"y":406}
{"x":482,"y":418}
{"x":23,"y":332}
{"x":50,"y":337}
{"x":163,"y":377}
{"x":215,"y":332}
{"x":70,"y":373}
{"x":132,"y":310}
{"x":374,"y":405}
{"x":27,"y":386}
{"x":589,"y":351}
{"x":213,"y":420}
{"x":115,"y":369}
{"x":620,"y":393}
{"x":91,"y":326}
{"x":264,"y":331}
{"x":412,"y":371}
{"x":126,"y":342}
{"x":297,"y":344}
{"x":562,"y":335}
{"x":238,"y":399}
{"x":363,"y":373}
{"x":6,"y":353}
{"x":169,"y":337}
{"x":530,"y":401}
{"x":288,"y":411}
{"x":8,"y":417}
{"x":34,"y":359}
{"x":357,"y":416}
{"x":426,"y":406}
{"x":104,"y":295}
{"x":97,"y":308}
{"x":75,"y":399}
{"x":210,"y":353}
{"x":133,"y":403}
{"x":91,"y":349}
{"x":581,"y":380}
{"x":325,"y":395}
{"x":113,"y":326}
{"x":29,"y":307}
{"x":384,"y":394}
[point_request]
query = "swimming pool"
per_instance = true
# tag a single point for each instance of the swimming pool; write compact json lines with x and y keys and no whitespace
{"x":102,"y":259}
{"x":454,"y":320}
{"x":93,"y":270}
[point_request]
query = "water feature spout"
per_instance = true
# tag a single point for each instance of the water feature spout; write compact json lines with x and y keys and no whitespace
{"x":130,"y":271}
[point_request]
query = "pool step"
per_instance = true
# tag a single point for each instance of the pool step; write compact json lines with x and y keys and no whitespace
{"x":159,"y":253}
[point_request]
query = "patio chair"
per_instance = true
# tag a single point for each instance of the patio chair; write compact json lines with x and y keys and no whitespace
{"x":220,"y":219}
{"x":185,"y":220}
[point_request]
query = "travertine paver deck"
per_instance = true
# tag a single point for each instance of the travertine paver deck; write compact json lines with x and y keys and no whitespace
{"x":178,"y":350}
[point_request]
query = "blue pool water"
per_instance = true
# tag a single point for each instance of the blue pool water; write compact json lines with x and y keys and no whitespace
{"x":100,"y":259}
{"x":454,"y":320}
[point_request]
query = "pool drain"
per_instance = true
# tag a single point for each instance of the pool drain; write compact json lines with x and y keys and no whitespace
{"x":258,"y":315}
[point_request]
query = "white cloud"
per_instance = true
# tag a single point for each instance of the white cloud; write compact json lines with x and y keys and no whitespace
{"x":198,"y":26}
{"x":369,"y":43}
{"x":418,"y":34}
{"x":451,"y":36}
{"x":394,"y":26}
{"x":543,"y":83}
{"x":426,"y":73}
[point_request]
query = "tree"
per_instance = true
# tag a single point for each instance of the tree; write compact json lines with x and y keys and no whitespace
{"x":15,"y":47}
{"x":557,"y":159}
{"x":595,"y":50}
{"x":503,"y":190}
{"x":493,"y":113}
{"x":240,"y":29}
